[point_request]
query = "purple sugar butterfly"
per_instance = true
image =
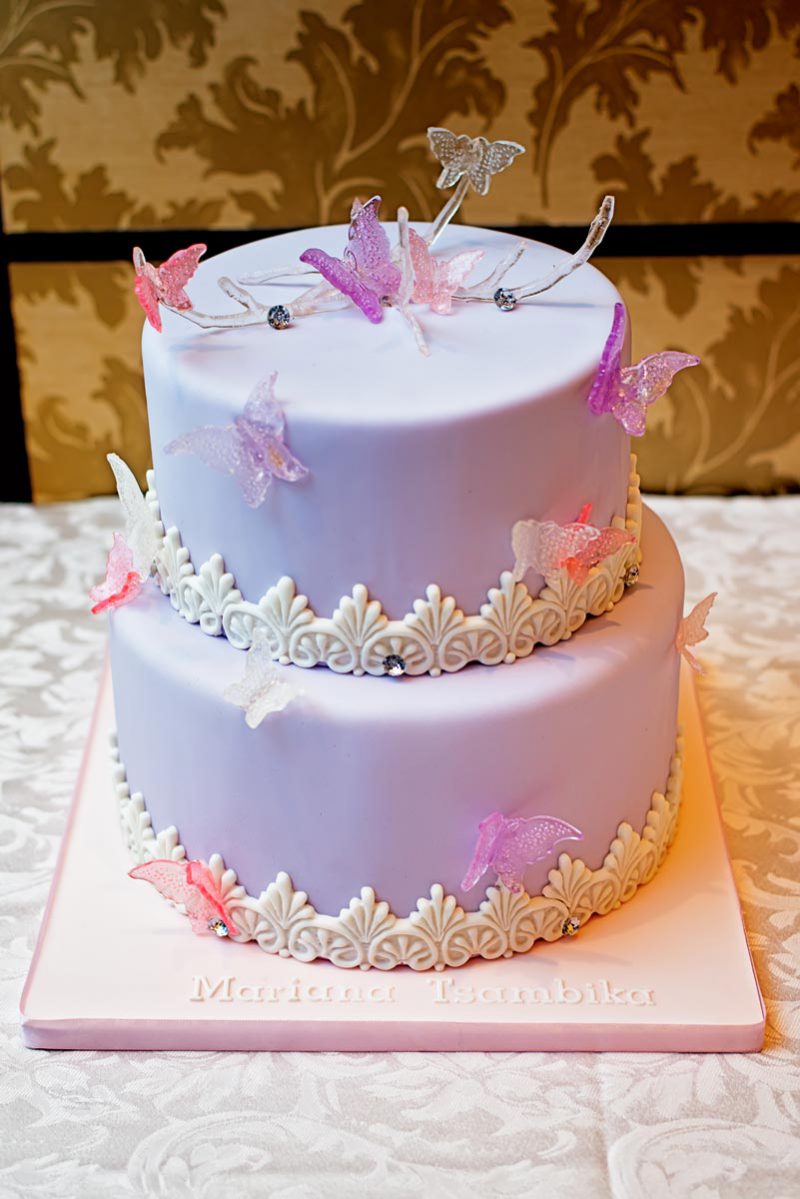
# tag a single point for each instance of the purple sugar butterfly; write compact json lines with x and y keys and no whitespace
{"x":627,"y":391}
{"x":510,"y":843}
{"x":365,"y":273}
{"x":252,"y":449}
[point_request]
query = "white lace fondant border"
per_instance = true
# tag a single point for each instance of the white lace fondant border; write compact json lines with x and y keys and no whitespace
{"x":359,"y":638}
{"x":440,"y":932}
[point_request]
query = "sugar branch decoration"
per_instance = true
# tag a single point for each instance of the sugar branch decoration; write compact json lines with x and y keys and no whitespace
{"x":371,"y":274}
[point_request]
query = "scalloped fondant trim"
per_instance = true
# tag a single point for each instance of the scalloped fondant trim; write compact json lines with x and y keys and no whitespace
{"x":440,"y":932}
{"x":359,"y":637}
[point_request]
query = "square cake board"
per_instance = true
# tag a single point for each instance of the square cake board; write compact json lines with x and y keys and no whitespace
{"x":115,"y":967}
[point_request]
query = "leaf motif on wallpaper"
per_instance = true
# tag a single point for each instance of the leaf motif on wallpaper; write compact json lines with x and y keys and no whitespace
{"x":610,"y":48}
{"x":40,"y":44}
{"x":781,"y":123}
{"x":49,"y":201}
{"x":68,"y":455}
{"x":736,"y":417}
{"x":375,"y":85}
{"x":677,"y":194}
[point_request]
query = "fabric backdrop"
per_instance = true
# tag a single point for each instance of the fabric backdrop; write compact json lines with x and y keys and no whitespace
{"x":241,"y":114}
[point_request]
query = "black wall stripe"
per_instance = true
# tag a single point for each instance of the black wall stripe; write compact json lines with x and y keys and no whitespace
{"x":621,"y":241}
{"x":15,"y":481}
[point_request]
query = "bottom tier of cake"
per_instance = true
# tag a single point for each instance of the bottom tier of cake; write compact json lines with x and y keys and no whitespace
{"x":374,"y":788}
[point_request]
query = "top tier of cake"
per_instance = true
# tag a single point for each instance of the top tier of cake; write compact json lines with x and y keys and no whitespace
{"x":418,"y":467}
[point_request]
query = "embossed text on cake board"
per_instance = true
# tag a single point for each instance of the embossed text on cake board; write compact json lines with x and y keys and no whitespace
{"x":442,"y":990}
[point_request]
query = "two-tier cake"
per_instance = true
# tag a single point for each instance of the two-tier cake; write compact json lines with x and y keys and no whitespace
{"x":369,"y":720}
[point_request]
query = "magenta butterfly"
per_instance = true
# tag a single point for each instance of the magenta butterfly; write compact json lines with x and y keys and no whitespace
{"x":365,"y":273}
{"x":628,"y":391}
{"x":165,"y":284}
{"x":193,"y":885}
{"x":692,"y":630}
{"x":510,"y":843}
{"x":436,"y":280}
{"x":252,"y":449}
{"x":544,"y":546}
{"x":122,"y":582}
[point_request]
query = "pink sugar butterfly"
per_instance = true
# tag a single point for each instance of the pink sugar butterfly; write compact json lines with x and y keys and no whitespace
{"x":510,"y":843}
{"x":165,"y":284}
{"x":437,"y":279}
{"x":365,"y":273}
{"x":193,"y":885}
{"x":251,"y":449}
{"x":544,"y":546}
{"x":122,"y":582}
{"x":692,"y":630}
{"x":628,"y":391}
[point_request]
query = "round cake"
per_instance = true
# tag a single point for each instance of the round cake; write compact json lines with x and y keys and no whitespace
{"x":363,"y":724}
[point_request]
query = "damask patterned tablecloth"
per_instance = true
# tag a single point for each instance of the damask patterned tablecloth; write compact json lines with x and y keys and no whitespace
{"x":301,"y":1126}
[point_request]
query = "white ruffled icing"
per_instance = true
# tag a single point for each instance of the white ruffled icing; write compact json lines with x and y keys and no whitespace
{"x":436,"y":636}
{"x":440,"y":932}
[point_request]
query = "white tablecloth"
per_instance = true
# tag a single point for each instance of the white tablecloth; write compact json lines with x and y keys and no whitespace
{"x":300,"y":1126}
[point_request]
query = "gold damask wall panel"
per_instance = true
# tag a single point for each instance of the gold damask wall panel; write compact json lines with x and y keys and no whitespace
{"x":245,"y":113}
{"x":268,"y":113}
{"x":81,"y":378}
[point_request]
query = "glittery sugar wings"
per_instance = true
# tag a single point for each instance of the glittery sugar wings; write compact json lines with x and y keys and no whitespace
{"x":510,"y":844}
{"x":436,"y":280}
{"x":544,"y":546}
{"x":627,"y":392}
{"x":122,"y":582}
{"x":165,"y":284}
{"x":692,"y":630}
{"x":264,"y":689}
{"x":251,"y":449}
{"x":193,"y":885}
{"x":475,"y":157}
{"x":366,"y":273}
{"x":141,"y":531}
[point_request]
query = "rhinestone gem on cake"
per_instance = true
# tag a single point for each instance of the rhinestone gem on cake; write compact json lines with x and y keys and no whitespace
{"x":279,"y":316}
{"x":570,"y":926}
{"x":394,"y":665}
{"x":505,"y":300}
{"x":218,"y":927}
{"x":631,"y":575}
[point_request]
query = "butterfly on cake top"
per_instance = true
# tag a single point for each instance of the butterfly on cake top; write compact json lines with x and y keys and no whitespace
{"x":372,"y":274}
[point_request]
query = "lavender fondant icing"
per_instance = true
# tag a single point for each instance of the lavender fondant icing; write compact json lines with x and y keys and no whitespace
{"x":369,"y":781}
{"x":419,"y":467}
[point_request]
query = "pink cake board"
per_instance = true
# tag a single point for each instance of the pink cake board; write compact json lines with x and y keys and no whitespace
{"x":116,"y":968}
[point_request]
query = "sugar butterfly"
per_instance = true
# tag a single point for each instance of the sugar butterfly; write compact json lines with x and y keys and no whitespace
{"x":510,"y":843}
{"x":628,"y":391}
{"x":252,"y":448}
{"x":366,"y":272}
{"x":165,"y":284}
{"x":193,"y":885}
{"x":264,"y":688}
{"x":692,"y":630}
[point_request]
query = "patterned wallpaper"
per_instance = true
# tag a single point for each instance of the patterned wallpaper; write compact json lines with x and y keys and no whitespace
{"x":242,"y":114}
